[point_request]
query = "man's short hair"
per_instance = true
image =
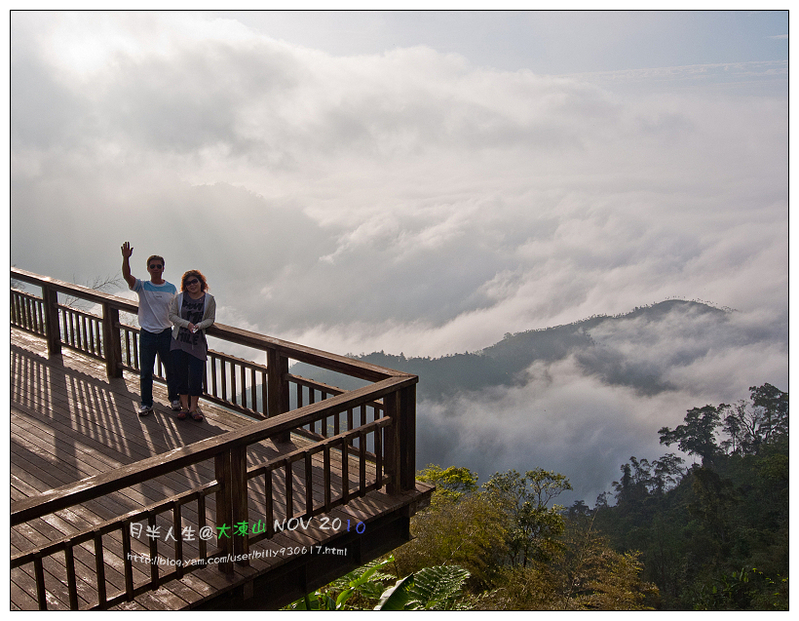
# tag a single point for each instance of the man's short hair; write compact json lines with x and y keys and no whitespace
{"x":156,"y":258}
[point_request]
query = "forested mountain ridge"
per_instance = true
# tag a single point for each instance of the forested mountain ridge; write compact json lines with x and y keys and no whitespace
{"x":590,"y":340}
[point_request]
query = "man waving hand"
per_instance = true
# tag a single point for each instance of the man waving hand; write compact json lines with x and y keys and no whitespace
{"x":155,"y":335}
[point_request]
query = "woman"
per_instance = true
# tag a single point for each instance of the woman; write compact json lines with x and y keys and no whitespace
{"x":191,"y":311}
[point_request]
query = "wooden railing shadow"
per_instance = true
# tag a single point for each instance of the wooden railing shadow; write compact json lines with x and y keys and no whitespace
{"x":65,"y":403}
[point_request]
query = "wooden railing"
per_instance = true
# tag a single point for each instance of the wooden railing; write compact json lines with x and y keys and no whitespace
{"x":365,"y":435}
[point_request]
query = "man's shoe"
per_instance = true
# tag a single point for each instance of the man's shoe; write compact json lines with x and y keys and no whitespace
{"x":144,"y":410}
{"x":175,"y":405}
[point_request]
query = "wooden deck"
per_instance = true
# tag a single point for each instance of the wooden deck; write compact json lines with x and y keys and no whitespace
{"x":69,"y":422}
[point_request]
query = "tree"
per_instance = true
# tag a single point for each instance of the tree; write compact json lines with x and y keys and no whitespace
{"x":461,"y":526}
{"x":747,"y":426}
{"x":586,"y":574}
{"x":668,"y":472}
{"x":635,"y":483}
{"x":771,"y":405}
{"x":712,"y":505}
{"x":642,"y":479}
{"x":740,"y":425}
{"x":714,"y":536}
{"x":99,"y":283}
{"x":750,"y":426}
{"x":698,"y":435}
{"x":533,"y":526}
{"x":617,"y":583}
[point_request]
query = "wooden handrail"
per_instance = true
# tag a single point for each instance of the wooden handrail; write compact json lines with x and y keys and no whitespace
{"x":301,"y":353}
{"x":60,"y":286}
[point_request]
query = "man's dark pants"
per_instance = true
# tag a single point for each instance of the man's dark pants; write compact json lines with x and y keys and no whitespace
{"x":151,"y":344}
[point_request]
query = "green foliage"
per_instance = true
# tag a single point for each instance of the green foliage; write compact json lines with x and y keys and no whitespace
{"x":588,"y":576}
{"x":516,"y":545}
{"x":451,"y":483}
{"x":771,"y":406}
{"x":431,"y":588}
{"x":748,"y":426}
{"x":745,"y":589}
{"x":698,"y":435}
{"x":398,"y":596}
{"x":617,"y":586}
{"x":362,"y":584}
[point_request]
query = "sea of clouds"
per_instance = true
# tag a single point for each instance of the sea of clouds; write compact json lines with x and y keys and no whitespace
{"x":410,"y":201}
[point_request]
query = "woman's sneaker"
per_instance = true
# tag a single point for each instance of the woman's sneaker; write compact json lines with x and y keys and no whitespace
{"x":144,"y":410}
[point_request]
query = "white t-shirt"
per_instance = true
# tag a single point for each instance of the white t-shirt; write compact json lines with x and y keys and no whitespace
{"x":154,"y":304}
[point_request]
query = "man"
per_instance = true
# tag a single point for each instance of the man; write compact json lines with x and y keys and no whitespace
{"x":155,"y":335}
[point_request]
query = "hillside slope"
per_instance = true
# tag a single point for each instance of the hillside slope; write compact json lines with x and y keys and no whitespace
{"x":609,"y":348}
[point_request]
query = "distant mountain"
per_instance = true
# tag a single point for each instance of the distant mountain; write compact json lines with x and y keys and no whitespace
{"x":613,"y":348}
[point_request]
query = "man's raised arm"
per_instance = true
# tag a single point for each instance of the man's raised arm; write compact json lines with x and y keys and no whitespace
{"x":127,"y":251}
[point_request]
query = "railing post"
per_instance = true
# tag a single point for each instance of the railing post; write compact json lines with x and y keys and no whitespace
{"x":224,"y":509}
{"x":240,"y":513}
{"x":112,"y":341}
{"x":50,"y":302}
{"x":406,"y":432}
{"x":231,"y":507}
{"x":277,"y":395}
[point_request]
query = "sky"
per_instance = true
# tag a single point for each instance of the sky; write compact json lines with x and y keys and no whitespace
{"x":416,"y":182}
